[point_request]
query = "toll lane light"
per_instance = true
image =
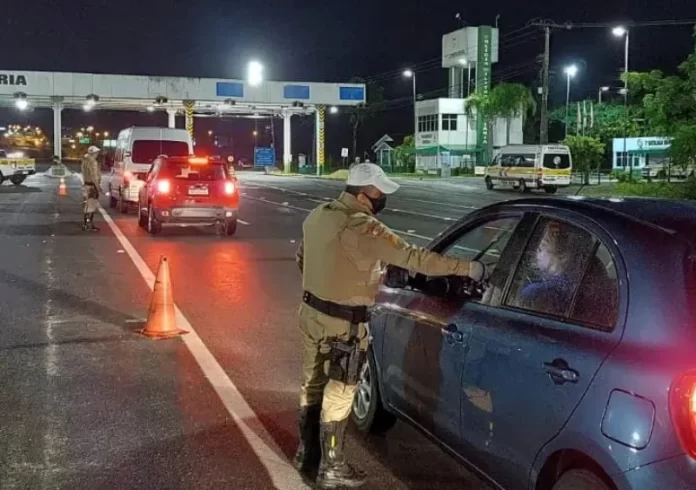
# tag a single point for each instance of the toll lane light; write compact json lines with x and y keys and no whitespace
{"x":333,"y":110}
{"x":254,"y":73}
{"x":22,"y":104}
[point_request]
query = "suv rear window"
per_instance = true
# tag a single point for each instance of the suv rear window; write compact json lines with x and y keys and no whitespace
{"x":556,"y":160}
{"x":145,"y":151}
{"x":186,"y":171}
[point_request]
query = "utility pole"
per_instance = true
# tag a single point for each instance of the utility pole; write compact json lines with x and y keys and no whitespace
{"x":544,"y":136}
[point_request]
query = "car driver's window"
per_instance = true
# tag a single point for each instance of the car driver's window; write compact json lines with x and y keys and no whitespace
{"x":486,"y":244}
{"x":551,"y":268}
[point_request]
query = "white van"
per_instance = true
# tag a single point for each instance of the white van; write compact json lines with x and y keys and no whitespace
{"x":526,"y":167}
{"x":136,"y":148}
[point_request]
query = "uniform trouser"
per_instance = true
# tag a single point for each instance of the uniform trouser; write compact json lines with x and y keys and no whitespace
{"x":91,"y":202}
{"x":318,"y":330}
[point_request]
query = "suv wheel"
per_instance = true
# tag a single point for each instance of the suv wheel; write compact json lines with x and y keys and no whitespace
{"x":580,"y":480}
{"x":368,"y":413}
{"x":523,"y":186}
{"x":153,"y":226}
{"x":231,"y":227}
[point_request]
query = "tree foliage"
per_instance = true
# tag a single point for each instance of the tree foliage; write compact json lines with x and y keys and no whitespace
{"x":587,"y":153}
{"x":683,"y":148}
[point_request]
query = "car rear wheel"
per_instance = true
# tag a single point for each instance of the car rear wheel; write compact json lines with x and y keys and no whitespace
{"x":580,"y":480}
{"x":489,"y":183}
{"x":523,"y":186}
{"x":550,"y":189}
{"x":18,"y":179}
{"x":153,"y":226}
{"x":368,"y":413}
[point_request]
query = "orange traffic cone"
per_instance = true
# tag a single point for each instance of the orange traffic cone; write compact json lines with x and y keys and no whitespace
{"x":62,"y":190}
{"x":161,"y":320}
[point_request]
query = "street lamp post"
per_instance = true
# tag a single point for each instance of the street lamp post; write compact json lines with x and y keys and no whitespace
{"x":412,"y":75}
{"x":570,"y":72}
{"x":620,"y":31}
{"x":601,"y":91}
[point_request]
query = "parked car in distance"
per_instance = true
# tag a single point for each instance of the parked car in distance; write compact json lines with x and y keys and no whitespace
{"x":188,"y":192}
{"x":572,"y":367}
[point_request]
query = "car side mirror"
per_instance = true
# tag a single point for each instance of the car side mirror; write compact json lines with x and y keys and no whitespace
{"x":396,"y":277}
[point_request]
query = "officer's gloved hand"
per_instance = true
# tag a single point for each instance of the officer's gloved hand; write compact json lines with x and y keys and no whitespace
{"x":477,"y":271}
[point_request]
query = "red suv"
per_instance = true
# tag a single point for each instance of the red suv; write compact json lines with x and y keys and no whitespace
{"x":189,"y":191}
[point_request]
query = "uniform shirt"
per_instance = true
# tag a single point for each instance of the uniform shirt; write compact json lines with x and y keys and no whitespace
{"x":91,"y":172}
{"x":344,"y":248}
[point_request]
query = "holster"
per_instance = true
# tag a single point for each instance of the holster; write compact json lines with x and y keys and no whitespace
{"x":346,"y":358}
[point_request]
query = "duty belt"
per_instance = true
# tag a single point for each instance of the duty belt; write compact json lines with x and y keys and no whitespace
{"x":351,"y":314}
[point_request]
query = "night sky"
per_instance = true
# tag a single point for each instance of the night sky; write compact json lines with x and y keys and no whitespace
{"x":323,"y":41}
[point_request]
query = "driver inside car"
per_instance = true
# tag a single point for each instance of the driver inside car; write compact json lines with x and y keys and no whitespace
{"x":550,"y":282}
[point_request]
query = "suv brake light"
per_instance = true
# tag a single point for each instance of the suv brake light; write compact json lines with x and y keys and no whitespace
{"x":229,"y":188}
{"x":682,"y":407}
{"x":198,"y":160}
{"x":163,"y":186}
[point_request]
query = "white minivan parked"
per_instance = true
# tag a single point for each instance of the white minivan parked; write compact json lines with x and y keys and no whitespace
{"x":136,"y":149}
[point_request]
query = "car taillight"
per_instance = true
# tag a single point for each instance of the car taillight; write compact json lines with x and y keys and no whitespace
{"x":229,"y":188}
{"x":682,"y":406}
{"x":163,"y":186}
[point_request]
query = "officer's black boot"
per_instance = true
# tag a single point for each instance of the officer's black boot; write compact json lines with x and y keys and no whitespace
{"x":308,"y":453}
{"x":334,"y":472}
{"x":87,"y":224}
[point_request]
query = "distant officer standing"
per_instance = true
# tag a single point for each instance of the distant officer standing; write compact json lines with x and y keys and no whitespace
{"x":341,"y":256}
{"x":91,"y":175}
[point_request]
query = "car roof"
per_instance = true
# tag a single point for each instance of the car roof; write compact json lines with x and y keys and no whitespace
{"x":670,"y":215}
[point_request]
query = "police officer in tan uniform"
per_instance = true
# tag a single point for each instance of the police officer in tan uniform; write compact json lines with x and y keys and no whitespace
{"x":341,"y":256}
{"x":91,"y":175}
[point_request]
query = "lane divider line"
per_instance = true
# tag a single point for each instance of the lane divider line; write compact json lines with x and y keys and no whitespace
{"x":279,"y":470}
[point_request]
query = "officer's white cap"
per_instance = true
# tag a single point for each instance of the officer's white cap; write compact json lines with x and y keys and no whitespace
{"x":364,"y":174}
{"x":93,"y":149}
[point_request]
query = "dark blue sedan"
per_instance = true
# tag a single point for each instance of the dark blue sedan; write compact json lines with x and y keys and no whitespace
{"x":572,"y":367}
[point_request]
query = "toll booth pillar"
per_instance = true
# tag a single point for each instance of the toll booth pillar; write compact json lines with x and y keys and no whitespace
{"x":320,"y":138}
{"x":171,"y":113}
{"x":58,"y":127}
{"x":287,"y":142}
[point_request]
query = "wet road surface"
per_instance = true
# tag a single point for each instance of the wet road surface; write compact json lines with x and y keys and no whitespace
{"x":85,"y":402}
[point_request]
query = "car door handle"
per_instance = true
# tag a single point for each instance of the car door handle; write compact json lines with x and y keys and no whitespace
{"x":452,"y":333}
{"x":560,"y":372}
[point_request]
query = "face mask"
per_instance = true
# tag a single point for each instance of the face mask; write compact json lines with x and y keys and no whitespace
{"x":378,"y":204}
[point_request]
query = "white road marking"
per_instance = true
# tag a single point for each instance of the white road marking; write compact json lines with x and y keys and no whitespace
{"x":315,"y":198}
{"x":269,"y":454}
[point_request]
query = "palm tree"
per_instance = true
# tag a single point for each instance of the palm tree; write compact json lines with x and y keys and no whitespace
{"x":512,"y":100}
{"x":506,"y":100}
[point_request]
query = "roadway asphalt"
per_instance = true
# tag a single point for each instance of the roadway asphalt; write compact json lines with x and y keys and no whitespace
{"x":87,"y":403}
